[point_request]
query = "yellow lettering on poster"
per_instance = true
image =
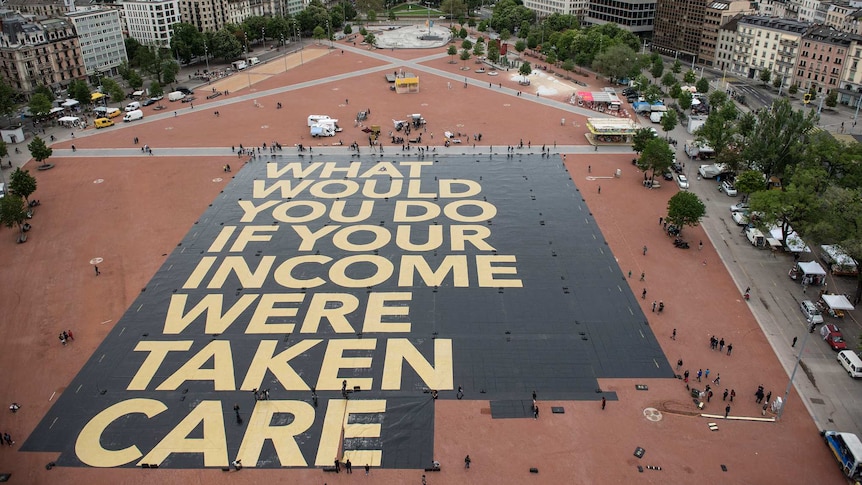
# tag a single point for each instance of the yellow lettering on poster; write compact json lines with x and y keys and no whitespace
{"x":267,"y":309}
{"x":288,"y":188}
{"x":470,"y":233}
{"x":221,"y":374}
{"x":337,"y":189}
{"x":487,"y":269}
{"x":213,"y":444}
{"x":199,"y":273}
{"x":429,"y":210}
{"x":157,"y":353}
{"x":332,"y":168}
{"x":364,"y":212}
{"x":377,"y":309}
{"x":237,"y":265}
{"x":380,"y":236}
{"x":414,"y":190}
{"x":221,"y":239}
{"x":336,"y":315}
{"x":250,"y":211}
{"x":284,"y":273}
{"x":438,"y":376}
{"x":335,"y":426}
{"x":369,"y":189}
{"x":313,"y":209}
{"x":434,"y":241}
{"x":486,"y":210}
{"x":279,"y":364}
{"x":283,"y":437}
{"x":448,"y":188}
{"x":382,"y":169}
{"x":414,"y":263}
{"x":88,"y":446}
{"x":383,"y":269}
{"x":250,"y":234}
{"x":334,"y":360}
{"x":211,"y":305}
{"x":295,"y":169}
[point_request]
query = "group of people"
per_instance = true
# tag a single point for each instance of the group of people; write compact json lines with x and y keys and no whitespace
{"x":65,"y":336}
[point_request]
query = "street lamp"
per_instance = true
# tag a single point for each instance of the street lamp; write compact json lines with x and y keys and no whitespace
{"x":299,"y":36}
{"x":329,"y":32}
{"x":263,"y":36}
{"x":285,"y":52}
{"x":207,"y":57}
{"x":793,"y":374}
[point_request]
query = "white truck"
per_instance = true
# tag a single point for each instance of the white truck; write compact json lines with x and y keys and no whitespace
{"x":847,"y":450}
{"x":133,"y":116}
{"x":327,"y":127}
{"x":314,"y":119}
{"x":695,"y":149}
{"x":176,"y":96}
{"x":239,"y":65}
{"x":712,"y":170}
{"x":694,"y":123}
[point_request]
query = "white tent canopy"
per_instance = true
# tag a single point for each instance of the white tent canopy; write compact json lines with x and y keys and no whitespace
{"x":69,"y":103}
{"x":56,"y":110}
{"x":812,"y":268}
{"x":837,"y":302}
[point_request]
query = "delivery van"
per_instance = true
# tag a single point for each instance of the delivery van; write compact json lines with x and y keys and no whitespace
{"x":113,"y":112}
{"x":851,"y":363}
{"x":103,"y":122}
{"x":133,"y":116}
{"x":133,"y":106}
{"x":253,"y":61}
{"x":176,"y":96}
{"x":847,"y":449}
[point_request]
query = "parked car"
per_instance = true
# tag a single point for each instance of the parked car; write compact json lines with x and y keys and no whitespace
{"x":740,"y":218}
{"x":728,"y":188}
{"x":185,"y":90}
{"x":148,"y":102}
{"x":676,"y":167}
{"x":833,"y":337}
{"x":682,"y":181}
{"x":742,"y":206}
{"x":812,"y":314}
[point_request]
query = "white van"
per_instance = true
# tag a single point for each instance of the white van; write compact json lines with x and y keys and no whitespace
{"x":314,"y":119}
{"x":133,"y":106}
{"x":253,"y":61}
{"x":176,"y":96}
{"x":133,"y":115}
{"x":851,"y":363}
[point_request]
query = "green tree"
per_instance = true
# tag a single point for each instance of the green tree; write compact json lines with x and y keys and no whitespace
{"x":479,"y":49}
{"x":641,"y":137}
{"x":465,"y":55}
{"x":784,"y":208}
{"x":675,"y":91}
{"x":42,"y":89}
{"x":616,"y":62}
{"x":39,"y":151}
{"x":463,"y":33}
{"x":13,"y":212}
{"x":717,"y":98}
{"x":668,"y":79}
{"x":40,"y":105}
{"x":551,"y":58}
{"x":839,"y":220}
{"x":132,"y":47}
{"x":483,"y":26}
{"x":652,"y":94}
{"x":776,"y":83}
{"x":505,"y":35}
{"x":689,"y":77}
{"x":702,"y":85}
{"x":79,"y":91}
{"x":452,"y":51}
{"x":525,"y":70}
{"x":793,"y":89}
{"x":156,"y":91}
{"x":524,"y":29}
{"x":22,"y":184}
{"x":677,"y":67}
{"x":347,"y":29}
{"x":669,"y":121}
{"x":684,"y":100}
{"x":4,"y":149}
{"x":114,"y":90}
{"x":520,"y":46}
{"x":568,"y":66}
{"x":135,"y":80}
{"x":319,"y":34}
{"x":831,"y":99}
{"x":370,"y":39}
{"x":657,"y":69}
{"x":719,"y":130}
{"x":225,"y":46}
{"x":187,"y":42}
{"x":685,"y":209}
{"x":749,"y":182}
{"x":466,"y":44}
{"x":7,"y":98}
{"x":778,"y":138}
{"x":493,"y":52}
{"x":657,"y":157}
{"x":765,"y":76}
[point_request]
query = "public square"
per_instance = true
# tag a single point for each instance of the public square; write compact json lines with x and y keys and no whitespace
{"x":141,"y":214}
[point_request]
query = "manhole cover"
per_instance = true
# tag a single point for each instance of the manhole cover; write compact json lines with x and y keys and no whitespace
{"x":506,"y":105}
{"x":652,"y":414}
{"x":264,"y":127}
{"x":96,"y":260}
{"x":218,"y":179}
{"x":98,"y":181}
{"x":817,"y":400}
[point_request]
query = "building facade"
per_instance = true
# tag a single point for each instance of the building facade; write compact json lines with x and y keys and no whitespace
{"x":766,"y":43}
{"x":679,"y":27}
{"x":100,"y":35}
{"x":821,"y":59}
{"x":718,"y":13}
{"x":40,"y":8}
{"x":850,"y":90}
{"x":150,"y":22}
{"x":38,"y":52}
{"x":636,"y":16}
{"x":544,"y":8}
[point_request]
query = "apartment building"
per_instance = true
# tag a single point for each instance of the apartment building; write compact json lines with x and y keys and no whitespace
{"x":543,"y":8}
{"x":100,"y":36}
{"x":726,"y":44}
{"x":636,"y":16}
{"x":718,"y":13}
{"x":850,"y":89}
{"x":766,"y":43}
{"x":34,"y":52}
{"x":40,"y":8}
{"x":821,"y":59}
{"x":150,"y":22}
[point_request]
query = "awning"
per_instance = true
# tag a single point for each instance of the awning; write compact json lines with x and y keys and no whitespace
{"x":69,"y":103}
{"x":837,"y":302}
{"x":812,"y":268}
{"x":56,"y":110}
{"x":96,"y":96}
{"x":69,"y":119}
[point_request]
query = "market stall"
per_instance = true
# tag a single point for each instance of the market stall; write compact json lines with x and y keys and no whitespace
{"x":809,"y":273}
{"x":839,"y":262}
{"x":835,"y":305}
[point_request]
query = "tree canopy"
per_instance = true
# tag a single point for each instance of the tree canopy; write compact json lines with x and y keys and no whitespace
{"x":685,"y":209}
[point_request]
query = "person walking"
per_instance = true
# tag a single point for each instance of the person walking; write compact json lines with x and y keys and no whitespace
{"x":97,"y":270}
{"x":367,"y":469}
{"x":643,"y":295}
{"x":337,"y":466}
{"x":729,"y":348}
{"x":724,"y":396}
{"x":726,"y":411}
{"x":645,"y":250}
{"x":673,"y":335}
{"x":678,"y":364}
{"x":604,"y":401}
{"x":348,"y":466}
{"x":8,"y":439}
{"x":467,"y":461}
{"x":732,"y":395}
{"x":794,"y":342}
